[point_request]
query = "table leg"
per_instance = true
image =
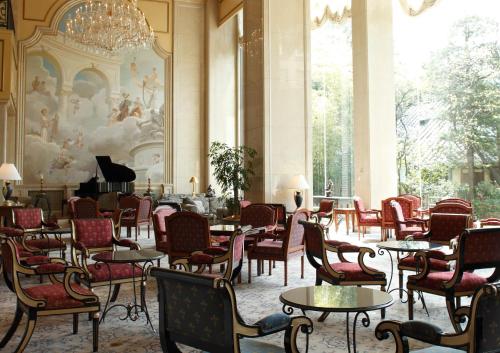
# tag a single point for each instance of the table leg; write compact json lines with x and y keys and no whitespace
{"x":347,"y":223}
{"x":365,"y":321}
{"x":335,"y":220}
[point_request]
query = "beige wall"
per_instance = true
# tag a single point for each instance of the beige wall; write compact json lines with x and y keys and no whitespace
{"x":226,"y":9}
{"x":189,"y":93}
{"x":222,"y":95}
{"x":276,"y":98}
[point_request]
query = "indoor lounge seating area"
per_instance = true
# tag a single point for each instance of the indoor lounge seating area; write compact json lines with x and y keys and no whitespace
{"x":249,"y":176}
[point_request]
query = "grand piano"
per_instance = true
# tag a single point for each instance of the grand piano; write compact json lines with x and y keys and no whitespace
{"x":118,"y":178}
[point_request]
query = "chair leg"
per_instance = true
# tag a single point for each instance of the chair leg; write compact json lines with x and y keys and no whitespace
{"x":270,"y":267}
{"x":450,"y":305}
{"x":95,"y":332}
{"x":136,"y":232}
{"x":129,"y":232}
{"x":116,"y":290}
{"x":318,"y":281}
{"x":75,"y":323}
{"x":302,"y":267}
{"x":30,"y":326}
{"x":249,"y":271}
{"x":158,"y":262}
{"x":286,"y":272}
{"x":13,"y":327}
{"x":410,"y":304}
{"x":400,"y":284}
{"x":148,"y":230}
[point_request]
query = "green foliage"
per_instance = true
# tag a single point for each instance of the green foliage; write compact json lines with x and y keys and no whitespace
{"x":232,"y":169}
{"x":487,"y":201}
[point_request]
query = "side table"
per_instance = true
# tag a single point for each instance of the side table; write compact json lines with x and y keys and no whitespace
{"x":348,"y":213}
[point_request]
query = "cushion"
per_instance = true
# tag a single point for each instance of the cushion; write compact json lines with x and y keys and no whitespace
{"x":268,"y":246}
{"x":436,"y":265}
{"x":36,"y":260}
{"x":273,"y":323}
{"x":49,"y":243}
{"x":469,"y":283}
{"x":200,"y":259}
{"x":216,"y":250}
{"x":421,"y":330}
{"x":352,"y":271}
{"x":100,"y":272}
{"x":45,"y":269}
{"x":56,"y":295}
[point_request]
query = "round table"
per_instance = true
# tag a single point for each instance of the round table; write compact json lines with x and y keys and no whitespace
{"x":132,"y":257}
{"x":405,"y":246}
{"x":345,"y":299}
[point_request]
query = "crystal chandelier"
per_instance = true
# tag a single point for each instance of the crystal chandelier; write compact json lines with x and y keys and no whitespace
{"x":109,"y":26}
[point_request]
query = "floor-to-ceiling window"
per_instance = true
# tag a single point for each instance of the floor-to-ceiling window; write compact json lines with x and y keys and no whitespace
{"x":331,"y":73}
{"x":447,"y":76}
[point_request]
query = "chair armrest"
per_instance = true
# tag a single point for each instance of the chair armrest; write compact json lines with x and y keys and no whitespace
{"x":200,"y":258}
{"x":11,"y":232}
{"x":348,"y":248}
{"x":83,"y":249}
{"x":127,"y":243}
{"x":70,"y":271}
{"x":52,"y":225}
{"x":418,"y":236}
{"x":361,"y":261}
{"x":422,"y":331}
{"x":273,"y":323}
{"x":215,"y":251}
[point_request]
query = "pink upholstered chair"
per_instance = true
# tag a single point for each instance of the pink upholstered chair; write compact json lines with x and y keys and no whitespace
{"x":366,"y":218}
{"x":160,"y":228}
{"x":57,"y":298}
{"x":476,"y":249}
{"x":290,"y":244}
{"x":31,"y":222}
{"x":388,"y":222}
{"x":405,"y":226}
{"x":90,"y":236}
{"x":137,"y":212}
{"x":325,"y":211}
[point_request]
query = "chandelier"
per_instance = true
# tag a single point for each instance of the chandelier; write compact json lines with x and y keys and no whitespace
{"x":109,"y":26}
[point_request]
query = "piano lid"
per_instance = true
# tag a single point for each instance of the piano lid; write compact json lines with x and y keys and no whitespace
{"x":114,"y":172}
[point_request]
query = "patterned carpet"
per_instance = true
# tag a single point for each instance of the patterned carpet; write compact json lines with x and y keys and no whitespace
{"x":255,"y":300}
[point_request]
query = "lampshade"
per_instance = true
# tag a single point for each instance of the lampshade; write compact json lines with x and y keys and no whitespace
{"x":298,"y":182}
{"x":8,"y":171}
{"x":193,"y":180}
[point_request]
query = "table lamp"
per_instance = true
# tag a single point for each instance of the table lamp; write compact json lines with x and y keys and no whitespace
{"x":8,"y":172}
{"x":298,"y":183}
{"x":194,"y":181}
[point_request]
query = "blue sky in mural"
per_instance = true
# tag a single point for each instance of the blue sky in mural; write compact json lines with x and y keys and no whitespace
{"x":50,"y":67}
{"x":62,"y":23}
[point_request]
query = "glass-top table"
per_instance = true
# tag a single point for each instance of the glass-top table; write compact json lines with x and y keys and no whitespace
{"x":328,"y":298}
{"x":128,"y":256}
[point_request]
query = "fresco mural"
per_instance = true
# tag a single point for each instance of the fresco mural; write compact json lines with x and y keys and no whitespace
{"x":80,"y":105}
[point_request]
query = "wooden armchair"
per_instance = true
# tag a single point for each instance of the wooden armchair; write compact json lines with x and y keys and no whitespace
{"x":86,"y":208}
{"x":480,"y":335}
{"x":476,"y":249}
{"x":90,"y":236}
{"x":325,"y":211}
{"x":366,"y":217}
{"x":58,"y":298}
{"x":451,"y":207}
{"x":201,"y":312}
{"x":31,"y":222}
{"x":137,"y":212}
{"x":291,"y":243}
{"x":388,"y":221}
{"x":404,"y":227}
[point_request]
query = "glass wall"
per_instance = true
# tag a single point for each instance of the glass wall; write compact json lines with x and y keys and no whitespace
{"x":447,"y":76}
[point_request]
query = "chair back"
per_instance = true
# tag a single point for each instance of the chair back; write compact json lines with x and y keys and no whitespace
{"x":313,"y":236}
{"x":145,"y":208}
{"x":485,"y":319}
{"x":10,"y":254}
{"x":455,"y":200}
{"x":85,"y":208}
{"x":489,"y":222}
{"x":444,"y":227}
{"x":326,"y":206}
{"x":236,"y":250}
{"x":159,"y":226}
{"x":451,"y":207}
{"x":360,"y":209}
{"x":96,"y":234}
{"x":479,"y":248}
{"x":71,"y":206}
{"x":399,"y":220}
{"x":387,"y":215}
{"x":416,"y":200}
{"x":257,"y":216}
{"x":27,"y":218}
{"x":130,"y":202}
{"x":187,"y":232}
{"x":295,"y":230}
{"x":279,"y":209}
{"x":195,"y":310}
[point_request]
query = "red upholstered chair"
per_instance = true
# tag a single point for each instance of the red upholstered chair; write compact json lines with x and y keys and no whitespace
{"x":31,"y":222}
{"x":451,"y":207}
{"x":290,"y":244}
{"x":476,"y":249}
{"x":90,"y":236}
{"x":489,"y":222}
{"x":137,"y":211}
{"x":343,"y":273}
{"x":366,"y":218}
{"x":325,"y":211}
{"x":187,"y":232}
{"x":405,"y":226}
{"x":280,"y":215}
{"x":443,"y":228}
{"x":258,"y":216}
{"x":455,"y":200}
{"x":160,"y":228}
{"x":388,"y":222}
{"x":232,"y":257}
{"x":57,"y":298}
{"x":417,"y":204}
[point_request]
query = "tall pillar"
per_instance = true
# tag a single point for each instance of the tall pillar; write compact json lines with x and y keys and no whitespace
{"x":375,"y":169}
{"x":276,"y":99}
{"x":3,"y":133}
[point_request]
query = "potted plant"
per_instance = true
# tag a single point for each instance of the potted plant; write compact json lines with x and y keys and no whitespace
{"x":232,"y":170}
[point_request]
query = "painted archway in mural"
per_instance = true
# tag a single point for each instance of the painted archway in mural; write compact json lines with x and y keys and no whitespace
{"x":78,"y":105}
